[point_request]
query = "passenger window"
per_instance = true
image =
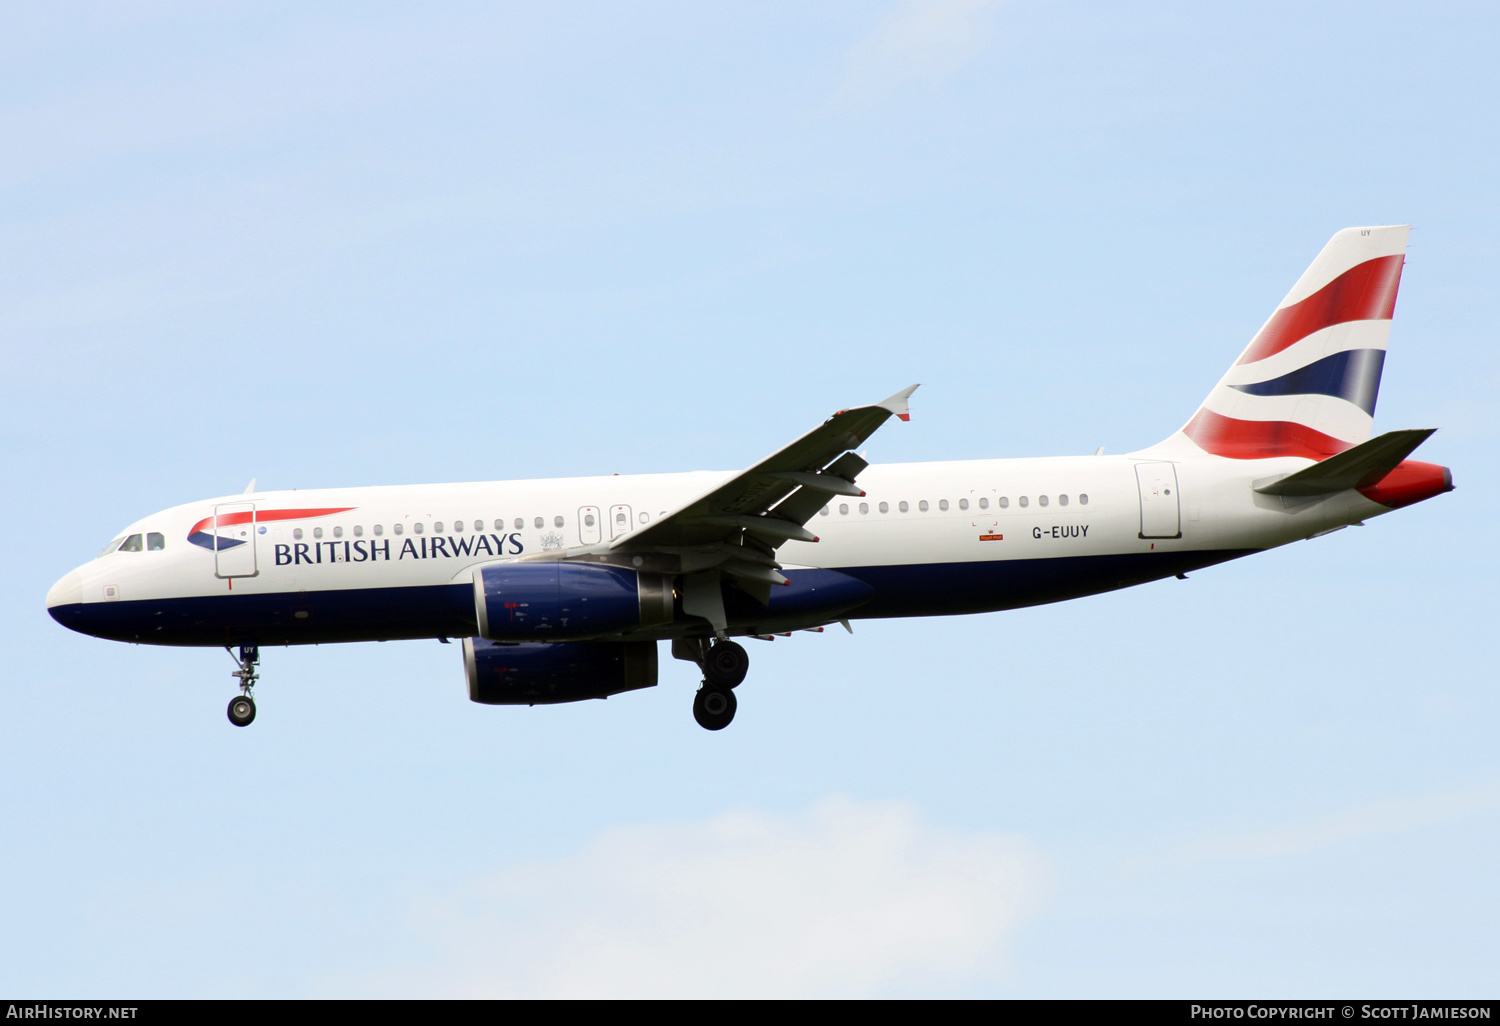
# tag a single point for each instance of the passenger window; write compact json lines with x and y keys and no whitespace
{"x":1004,"y":502}
{"x":1041,"y":500}
{"x":519,"y":523}
{"x":398,"y":528}
{"x":1062,"y":500}
{"x":620,"y":520}
{"x":131,"y":544}
{"x":479,"y":525}
{"x":1083,"y":499}
{"x":359,"y":532}
{"x":885,"y":507}
{"x":903,"y":507}
{"x":378,"y":529}
{"x":297,"y":534}
{"x":557,"y":521}
{"x":922,"y":506}
{"x":415,"y":528}
{"x":823,"y":512}
{"x":1024,"y":501}
{"x":317,"y":532}
{"x":540,"y":523}
{"x":943,"y":505}
{"x":644,"y":517}
{"x":864,"y":507}
{"x":338,"y":532}
{"x":984,"y":503}
{"x":458,"y":526}
{"x":588,"y":520}
{"x":843,"y":509}
{"x":437,"y":528}
{"x":963,"y":503}
{"x":155,"y":542}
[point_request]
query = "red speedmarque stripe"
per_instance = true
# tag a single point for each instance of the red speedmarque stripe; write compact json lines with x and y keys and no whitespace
{"x":1365,"y":292}
{"x":1259,"y":439}
{"x":230,"y":519}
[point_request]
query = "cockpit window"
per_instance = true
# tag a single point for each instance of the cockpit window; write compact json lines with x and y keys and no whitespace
{"x":131,"y":544}
{"x":111,"y":547}
{"x":155,"y":542}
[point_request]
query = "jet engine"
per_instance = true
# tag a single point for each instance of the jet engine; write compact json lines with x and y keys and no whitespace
{"x":543,"y":674}
{"x":559,"y":601}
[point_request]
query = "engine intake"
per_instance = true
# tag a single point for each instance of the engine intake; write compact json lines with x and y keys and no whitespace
{"x":559,"y":601}
{"x":544,"y":674}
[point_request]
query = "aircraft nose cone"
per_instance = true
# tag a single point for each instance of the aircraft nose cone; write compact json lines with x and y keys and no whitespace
{"x":66,"y":592}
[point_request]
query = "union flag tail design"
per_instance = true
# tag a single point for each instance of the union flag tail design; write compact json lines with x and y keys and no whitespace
{"x":1307,"y":382}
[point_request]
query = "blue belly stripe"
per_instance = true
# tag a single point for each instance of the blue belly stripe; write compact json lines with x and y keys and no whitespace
{"x":447,"y":610}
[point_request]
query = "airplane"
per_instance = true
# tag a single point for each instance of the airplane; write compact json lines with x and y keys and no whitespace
{"x":561,"y":590}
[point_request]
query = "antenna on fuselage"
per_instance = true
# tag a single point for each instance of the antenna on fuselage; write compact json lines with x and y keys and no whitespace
{"x":249,"y":487}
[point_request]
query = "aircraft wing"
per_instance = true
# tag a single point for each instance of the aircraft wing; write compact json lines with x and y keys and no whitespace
{"x":737,"y":527}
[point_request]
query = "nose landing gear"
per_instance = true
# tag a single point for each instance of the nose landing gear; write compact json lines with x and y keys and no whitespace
{"x":242,"y":706}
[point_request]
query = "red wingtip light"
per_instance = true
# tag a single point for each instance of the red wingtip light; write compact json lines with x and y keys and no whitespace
{"x":904,"y":416}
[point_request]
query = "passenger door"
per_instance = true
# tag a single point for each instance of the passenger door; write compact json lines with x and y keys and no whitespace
{"x":1160,"y":509}
{"x":234,"y":540}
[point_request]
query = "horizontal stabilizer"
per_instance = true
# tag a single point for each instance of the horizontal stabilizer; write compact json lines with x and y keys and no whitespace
{"x":1359,"y":467}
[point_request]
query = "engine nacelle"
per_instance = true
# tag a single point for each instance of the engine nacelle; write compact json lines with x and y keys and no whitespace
{"x":542,"y":674}
{"x":565,"y":601}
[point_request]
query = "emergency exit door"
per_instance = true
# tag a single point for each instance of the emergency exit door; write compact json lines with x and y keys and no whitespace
{"x":588,"y":525}
{"x":234,"y":531}
{"x":1160,"y":510}
{"x":619,"y":521}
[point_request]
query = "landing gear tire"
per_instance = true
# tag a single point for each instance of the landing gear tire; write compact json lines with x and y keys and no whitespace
{"x":713,"y":707}
{"x":242,"y":710}
{"x":725,"y":665}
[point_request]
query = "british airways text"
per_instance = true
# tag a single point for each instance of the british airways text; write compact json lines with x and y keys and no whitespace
{"x":367,"y":549}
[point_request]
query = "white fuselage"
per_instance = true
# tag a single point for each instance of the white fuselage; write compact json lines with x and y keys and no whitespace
{"x":940,"y":537}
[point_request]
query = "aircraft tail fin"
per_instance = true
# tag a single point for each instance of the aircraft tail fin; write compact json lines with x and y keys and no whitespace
{"x":1306,"y":384}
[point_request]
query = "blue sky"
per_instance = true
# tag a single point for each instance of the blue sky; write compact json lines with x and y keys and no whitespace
{"x":362,"y":244}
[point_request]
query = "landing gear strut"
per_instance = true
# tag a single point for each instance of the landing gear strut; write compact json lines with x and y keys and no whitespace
{"x":242,"y":706}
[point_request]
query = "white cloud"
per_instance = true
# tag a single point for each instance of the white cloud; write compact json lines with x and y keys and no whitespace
{"x":920,"y":42}
{"x":850,"y":899}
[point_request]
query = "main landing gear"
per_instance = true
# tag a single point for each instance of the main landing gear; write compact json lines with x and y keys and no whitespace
{"x":242,"y":706}
{"x":724,"y":667}
{"x":713,"y":707}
